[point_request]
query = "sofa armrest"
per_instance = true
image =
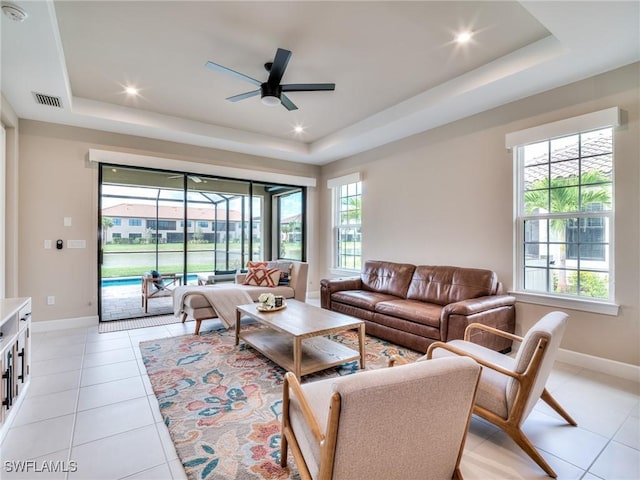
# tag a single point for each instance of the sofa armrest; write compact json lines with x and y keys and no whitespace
{"x":497,"y":311}
{"x":478,"y":305}
{"x":240,"y":278}
{"x":332,"y":285}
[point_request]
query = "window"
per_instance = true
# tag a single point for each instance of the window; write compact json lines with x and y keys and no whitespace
{"x":347,"y":222}
{"x":162,"y":224}
{"x":564,"y":212}
{"x":135,"y":222}
{"x":203,"y":224}
{"x":116,"y":222}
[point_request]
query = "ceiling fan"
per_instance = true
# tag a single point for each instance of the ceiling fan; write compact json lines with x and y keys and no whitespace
{"x":271,"y":91}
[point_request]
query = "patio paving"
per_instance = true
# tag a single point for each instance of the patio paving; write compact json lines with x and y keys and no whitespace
{"x":125,"y":301}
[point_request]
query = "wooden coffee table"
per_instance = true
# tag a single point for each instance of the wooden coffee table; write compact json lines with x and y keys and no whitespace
{"x":293,"y":337}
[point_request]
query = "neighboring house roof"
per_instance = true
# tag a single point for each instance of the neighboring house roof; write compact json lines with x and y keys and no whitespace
{"x":292,"y":218}
{"x":595,"y":152}
{"x":131,"y":210}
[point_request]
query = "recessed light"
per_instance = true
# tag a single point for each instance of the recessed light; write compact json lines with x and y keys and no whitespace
{"x":463,"y":37}
{"x":14,"y":12}
{"x":298,"y":129}
{"x":131,"y":91}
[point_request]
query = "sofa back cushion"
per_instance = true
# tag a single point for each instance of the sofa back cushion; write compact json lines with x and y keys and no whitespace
{"x":387,"y":277}
{"x":443,"y":285}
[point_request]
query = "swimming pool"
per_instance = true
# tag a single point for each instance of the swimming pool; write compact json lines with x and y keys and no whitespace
{"x":126,"y":281}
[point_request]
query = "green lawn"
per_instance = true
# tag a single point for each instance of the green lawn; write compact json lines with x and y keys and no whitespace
{"x":164,"y":247}
{"x":118,"y":264}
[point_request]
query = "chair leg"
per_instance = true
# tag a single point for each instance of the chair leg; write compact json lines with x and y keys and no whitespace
{"x":198,"y":322}
{"x":184,"y":317}
{"x":284,"y":447}
{"x":549,"y":400}
{"x":457,"y":474}
{"x":523,"y":442}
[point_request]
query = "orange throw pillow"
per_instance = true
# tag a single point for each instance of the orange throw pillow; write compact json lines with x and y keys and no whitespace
{"x":262,"y":277}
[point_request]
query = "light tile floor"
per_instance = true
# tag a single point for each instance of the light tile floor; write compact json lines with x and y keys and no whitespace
{"x":90,"y":402}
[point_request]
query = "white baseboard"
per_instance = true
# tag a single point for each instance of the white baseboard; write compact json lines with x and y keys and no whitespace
{"x":598,"y":364}
{"x":64,"y":323}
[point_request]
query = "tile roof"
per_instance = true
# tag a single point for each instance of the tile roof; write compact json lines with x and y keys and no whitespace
{"x":132,"y":210}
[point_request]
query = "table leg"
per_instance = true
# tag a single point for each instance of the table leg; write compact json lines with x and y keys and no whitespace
{"x":297,"y":357}
{"x":237,"y":326}
{"x":362,"y":350}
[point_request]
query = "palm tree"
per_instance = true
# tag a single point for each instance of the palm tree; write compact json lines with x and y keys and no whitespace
{"x":561,"y":195}
{"x":107,"y":223}
{"x":352,"y":212}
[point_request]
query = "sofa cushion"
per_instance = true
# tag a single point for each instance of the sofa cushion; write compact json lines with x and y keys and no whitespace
{"x":403,"y":325}
{"x":285,"y":270}
{"x":262,"y":277}
{"x":361,"y":298}
{"x":387,"y":277}
{"x":443,"y":285}
{"x":252,"y":264}
{"x":413,"y":310}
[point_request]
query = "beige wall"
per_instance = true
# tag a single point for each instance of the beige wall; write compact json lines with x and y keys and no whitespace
{"x":9,"y":237}
{"x":57,"y":181}
{"x":441,"y":197}
{"x":445,"y":197}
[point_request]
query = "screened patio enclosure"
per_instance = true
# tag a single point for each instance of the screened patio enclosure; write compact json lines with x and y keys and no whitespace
{"x":187,"y":228}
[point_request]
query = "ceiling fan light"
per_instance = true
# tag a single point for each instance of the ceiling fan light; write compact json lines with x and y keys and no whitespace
{"x":270,"y":100}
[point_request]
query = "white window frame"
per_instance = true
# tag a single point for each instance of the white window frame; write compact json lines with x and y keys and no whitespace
{"x":335,"y":185}
{"x":592,"y":121}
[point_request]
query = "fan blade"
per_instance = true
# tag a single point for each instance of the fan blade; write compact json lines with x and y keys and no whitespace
{"x":288,"y":104}
{"x":308,"y":87}
{"x":242,"y":96}
{"x":242,"y":76}
{"x":278,"y":67}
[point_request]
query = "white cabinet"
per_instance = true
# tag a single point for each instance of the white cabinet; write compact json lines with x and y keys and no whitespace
{"x":15,"y":355}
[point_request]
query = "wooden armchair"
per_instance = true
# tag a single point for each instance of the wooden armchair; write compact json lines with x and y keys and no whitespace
{"x":509,"y":388}
{"x":350,"y":427}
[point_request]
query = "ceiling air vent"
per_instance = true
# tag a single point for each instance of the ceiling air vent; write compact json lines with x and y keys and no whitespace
{"x":48,"y":100}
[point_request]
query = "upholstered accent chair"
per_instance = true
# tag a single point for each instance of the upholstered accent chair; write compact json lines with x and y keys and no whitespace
{"x":510,"y":387}
{"x":381,"y":424}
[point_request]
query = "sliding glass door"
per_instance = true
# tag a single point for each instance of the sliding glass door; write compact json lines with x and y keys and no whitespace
{"x":217,"y":228}
{"x":289,"y":214}
{"x":163,"y":229}
{"x":141,"y":211}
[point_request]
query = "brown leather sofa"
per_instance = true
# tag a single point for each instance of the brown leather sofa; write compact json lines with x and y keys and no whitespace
{"x":414,"y":306}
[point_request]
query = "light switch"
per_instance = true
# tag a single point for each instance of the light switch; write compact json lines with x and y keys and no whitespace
{"x":47,"y":244}
{"x":67,"y":221}
{"x":76,"y":244}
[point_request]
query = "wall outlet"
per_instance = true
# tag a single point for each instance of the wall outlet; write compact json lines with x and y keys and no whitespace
{"x":51,"y":300}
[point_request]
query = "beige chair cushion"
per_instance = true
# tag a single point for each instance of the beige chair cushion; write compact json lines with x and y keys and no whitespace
{"x":497,"y":392}
{"x":551,"y":327}
{"x":412,"y":418}
{"x":492,"y":390}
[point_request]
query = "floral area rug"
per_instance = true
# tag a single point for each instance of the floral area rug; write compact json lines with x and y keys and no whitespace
{"x":222,"y":404}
